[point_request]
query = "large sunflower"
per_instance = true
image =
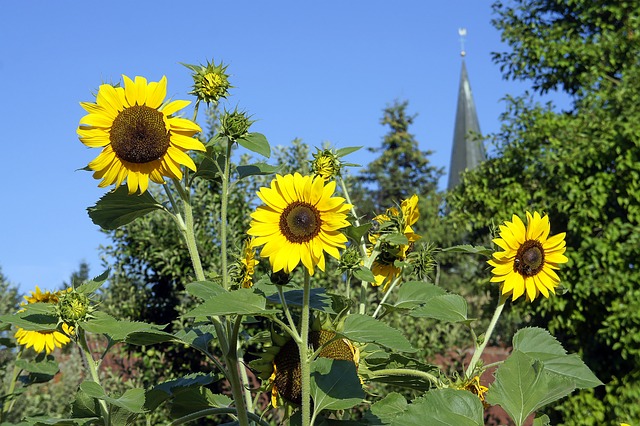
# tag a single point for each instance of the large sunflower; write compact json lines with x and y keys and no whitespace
{"x":299,"y":222}
{"x":139,"y":137}
{"x":394,"y":221}
{"x":46,"y":340}
{"x":530,"y":257}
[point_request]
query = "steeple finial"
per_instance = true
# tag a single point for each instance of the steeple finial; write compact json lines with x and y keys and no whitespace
{"x":462,"y":32}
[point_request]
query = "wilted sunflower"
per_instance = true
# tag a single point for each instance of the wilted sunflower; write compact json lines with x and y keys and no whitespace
{"x":139,"y":137}
{"x":473,"y":385}
{"x":394,"y":221}
{"x":299,"y":222}
{"x":530,"y":257}
{"x":280,"y":364}
{"x":46,"y":340}
{"x":243,"y":268}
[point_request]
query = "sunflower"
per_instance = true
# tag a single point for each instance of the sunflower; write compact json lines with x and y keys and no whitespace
{"x":280,"y":364}
{"x":299,"y":222}
{"x":530,"y":257}
{"x":244,"y":267}
{"x":394,"y":221}
{"x":139,"y":137}
{"x":46,"y":340}
{"x":473,"y":385}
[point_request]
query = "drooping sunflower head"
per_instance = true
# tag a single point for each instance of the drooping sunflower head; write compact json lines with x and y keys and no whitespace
{"x":280,"y":364}
{"x":44,"y":340}
{"x":530,"y":257}
{"x":473,"y":385}
{"x":396,"y":221}
{"x":299,"y":221}
{"x":139,"y":136}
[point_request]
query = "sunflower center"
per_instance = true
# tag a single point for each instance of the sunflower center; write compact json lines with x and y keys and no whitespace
{"x":529,"y":258}
{"x":300,"y":222}
{"x":139,"y":135}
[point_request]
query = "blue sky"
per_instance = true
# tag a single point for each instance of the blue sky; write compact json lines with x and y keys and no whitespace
{"x":319,"y":71}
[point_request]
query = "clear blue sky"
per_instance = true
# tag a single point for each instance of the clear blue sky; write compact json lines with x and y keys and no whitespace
{"x":320,"y":71}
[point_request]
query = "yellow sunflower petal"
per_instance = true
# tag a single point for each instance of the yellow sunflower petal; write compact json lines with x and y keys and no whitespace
{"x":156,"y":92}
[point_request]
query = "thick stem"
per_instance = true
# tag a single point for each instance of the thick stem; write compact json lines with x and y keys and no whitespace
{"x":305,"y":361}
{"x":285,"y":308}
{"x":407,"y":372}
{"x":6,"y":408}
{"x":223,"y":215}
{"x":92,"y":366}
{"x":479,"y":349}
{"x":395,"y":282}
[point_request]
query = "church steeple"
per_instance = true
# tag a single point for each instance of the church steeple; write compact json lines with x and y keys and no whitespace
{"x":467,"y":151}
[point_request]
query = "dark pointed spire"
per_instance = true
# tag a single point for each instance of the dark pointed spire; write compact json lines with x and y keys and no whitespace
{"x":467,"y":151}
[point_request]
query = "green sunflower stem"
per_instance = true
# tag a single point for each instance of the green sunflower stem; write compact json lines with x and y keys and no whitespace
{"x":363,"y":285}
{"x":356,"y":221}
{"x":92,"y":366}
{"x":223,"y":215}
{"x":408,"y":372}
{"x":480,"y":348}
{"x":6,"y":408}
{"x":303,"y":346}
{"x":393,"y":285}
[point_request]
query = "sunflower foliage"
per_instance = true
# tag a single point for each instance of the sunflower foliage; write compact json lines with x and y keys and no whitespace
{"x":322,"y":353}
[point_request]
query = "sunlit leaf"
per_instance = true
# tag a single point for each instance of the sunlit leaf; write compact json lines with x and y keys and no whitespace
{"x":335,"y":384}
{"x":257,"y":169}
{"x":256,"y":142}
{"x":467,"y":248}
{"x":522,"y":386}
{"x":91,"y":286}
{"x":237,"y":302}
{"x":446,"y":307}
{"x":204,"y":289}
{"x":364,"y":329}
{"x":443,"y":407}
{"x":117,"y":208}
{"x":318,"y":299}
{"x":364,"y":274}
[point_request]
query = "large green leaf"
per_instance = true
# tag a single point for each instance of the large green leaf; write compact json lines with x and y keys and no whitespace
{"x":539,"y":344}
{"x":364,"y":274}
{"x":446,"y":307}
{"x":39,"y":421}
{"x":256,"y":142}
{"x":415,"y":293}
{"x":383,"y":412}
{"x":238,"y":302}
{"x":335,"y":384}
{"x":522,"y":386}
{"x":35,"y":317}
{"x":443,"y":407}
{"x":194,"y":399}
{"x":47,"y":367}
{"x":91,"y":286}
{"x":132,"y":400}
{"x":318,"y":299}
{"x":163,"y":391}
{"x":117,"y":208}
{"x":467,"y":248}
{"x":139,"y":333}
{"x":197,"y":337}
{"x":364,"y":329}
{"x":204,"y":289}
{"x":256,"y":169}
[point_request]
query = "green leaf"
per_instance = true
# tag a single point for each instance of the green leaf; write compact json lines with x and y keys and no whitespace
{"x":91,"y":286}
{"x":130,"y":331}
{"x":395,"y":239}
{"x":192,"y":399}
{"x":35,"y":317}
{"x":443,"y":407}
{"x":539,"y":344}
{"x":132,"y":400}
{"x":364,"y":274}
{"x":38,"y":421}
{"x":117,"y":208}
{"x":46,"y":367}
{"x":212,"y":162}
{"x":522,"y":386}
{"x":347,"y":150}
{"x":256,"y":142}
{"x":204,"y":289}
{"x":468,"y":248}
{"x":238,"y":302}
{"x":447,"y":307}
{"x":355,"y":233}
{"x":543,"y":420}
{"x":335,"y":384}
{"x":168,"y":389}
{"x":383,"y":412}
{"x":257,"y":169}
{"x":364,"y":329}
{"x":197,"y":337}
{"x":318,"y":299}
{"x":415,"y":293}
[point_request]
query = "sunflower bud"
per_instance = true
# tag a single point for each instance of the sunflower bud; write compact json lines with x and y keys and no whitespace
{"x":235,"y":125}
{"x":210,"y":82}
{"x":74,"y":307}
{"x":349,"y":260}
{"x":326,"y":164}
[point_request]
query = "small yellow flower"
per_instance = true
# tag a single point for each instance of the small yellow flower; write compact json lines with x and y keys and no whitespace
{"x":299,"y":221}
{"x":326,"y":164}
{"x":249,"y":263}
{"x":43,"y":340}
{"x":474,"y":386}
{"x":140,"y":138}
{"x":529,"y":259}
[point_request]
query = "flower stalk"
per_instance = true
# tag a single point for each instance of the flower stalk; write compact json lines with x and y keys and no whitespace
{"x":479,"y":349}
{"x":303,"y":346}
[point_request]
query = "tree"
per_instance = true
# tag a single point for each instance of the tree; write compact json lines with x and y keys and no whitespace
{"x":401,"y":168}
{"x":582,"y":167}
